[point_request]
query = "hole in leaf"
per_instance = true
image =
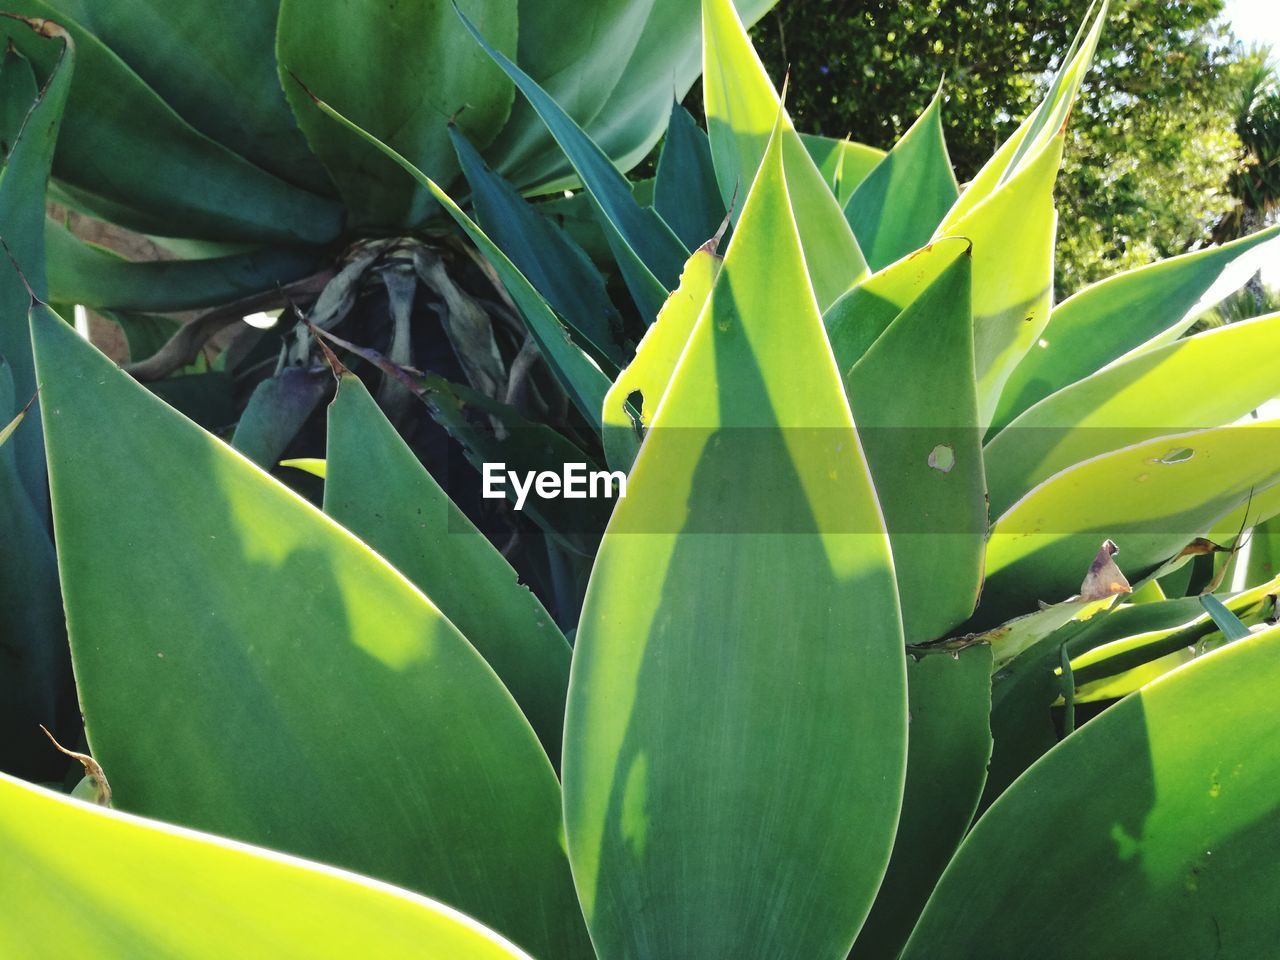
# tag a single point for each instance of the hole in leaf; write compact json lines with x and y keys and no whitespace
{"x":1178,"y":455}
{"x":942,"y":458}
{"x":634,"y":408}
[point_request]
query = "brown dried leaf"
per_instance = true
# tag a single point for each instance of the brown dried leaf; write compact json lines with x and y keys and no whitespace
{"x":1104,"y":578}
{"x":92,"y":770}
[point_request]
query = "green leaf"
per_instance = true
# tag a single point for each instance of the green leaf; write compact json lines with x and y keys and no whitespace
{"x":85,"y":881}
{"x":642,"y":55}
{"x":18,"y":91}
{"x":842,"y":163}
{"x":1121,"y":646}
{"x":1112,"y":656}
{"x":742,"y":107}
{"x":1264,"y":553}
{"x":34,"y":685}
{"x":398,"y":74}
{"x":1010,"y":639}
{"x":949,"y":693}
{"x":1151,"y":305}
{"x":897,"y":207}
{"x":1146,"y":652}
{"x":648,"y":253}
{"x":580,"y":376}
{"x":543,"y":252}
{"x":1023,"y":691}
{"x":914,"y":400}
{"x":634,"y":398}
{"x":577,"y":60}
{"x":22,"y":195}
{"x":686,"y":195}
{"x":1153,"y":831}
{"x":35,"y":680}
{"x":276,"y":411}
{"x":858,"y":318}
{"x":95,"y":277}
{"x":189,"y":184}
{"x":1151,"y":498}
{"x":215,"y":64}
{"x":377,"y":489}
{"x":287,"y":685}
{"x":1197,"y":382}
{"x":1012,"y":235}
{"x":754,"y":687}
{"x":1007,"y":212}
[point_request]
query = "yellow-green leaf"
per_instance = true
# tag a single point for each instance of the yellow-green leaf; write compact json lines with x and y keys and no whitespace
{"x":1194,"y":383}
{"x":1151,"y":305}
{"x":655,"y":360}
{"x":742,"y":107}
{"x":83,"y":881}
{"x":1151,"y":498}
{"x":739,"y":668}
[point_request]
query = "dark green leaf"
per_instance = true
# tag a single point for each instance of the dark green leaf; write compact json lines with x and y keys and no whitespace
{"x":399,"y":70}
{"x":555,"y":265}
{"x":215,"y":64}
{"x":948,"y":746}
{"x":276,"y":411}
{"x":286,"y":685}
{"x":915,"y":403}
{"x":900,"y":203}
{"x":188,"y":184}
{"x":377,"y":489}
{"x":82,"y":273}
{"x":649,"y":254}
{"x":686,"y":194}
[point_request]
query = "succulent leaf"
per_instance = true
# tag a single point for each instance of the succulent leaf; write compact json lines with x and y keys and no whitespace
{"x":1145,"y":395}
{"x":377,"y":489}
{"x":1148,"y":306}
{"x":900,"y":203}
{"x":768,"y":657}
{"x":287,"y":685}
{"x":86,"y":881}
{"x":742,"y":107}
{"x":189,"y":185}
{"x":914,"y":399}
{"x":1191,"y":825}
{"x":398,"y":74}
{"x":545,"y":254}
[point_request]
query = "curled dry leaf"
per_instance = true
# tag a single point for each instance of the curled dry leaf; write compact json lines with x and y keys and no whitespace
{"x":92,"y":771}
{"x":1104,"y":578}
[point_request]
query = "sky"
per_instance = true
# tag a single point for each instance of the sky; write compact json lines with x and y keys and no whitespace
{"x":1255,"y":21}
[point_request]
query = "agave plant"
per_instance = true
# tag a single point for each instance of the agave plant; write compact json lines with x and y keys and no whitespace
{"x":191,"y":124}
{"x":919,"y":630}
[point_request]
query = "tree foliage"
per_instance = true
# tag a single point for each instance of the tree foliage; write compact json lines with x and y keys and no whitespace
{"x":1152,"y":139}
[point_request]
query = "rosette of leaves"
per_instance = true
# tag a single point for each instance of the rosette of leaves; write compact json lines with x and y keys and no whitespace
{"x":922,"y":630}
